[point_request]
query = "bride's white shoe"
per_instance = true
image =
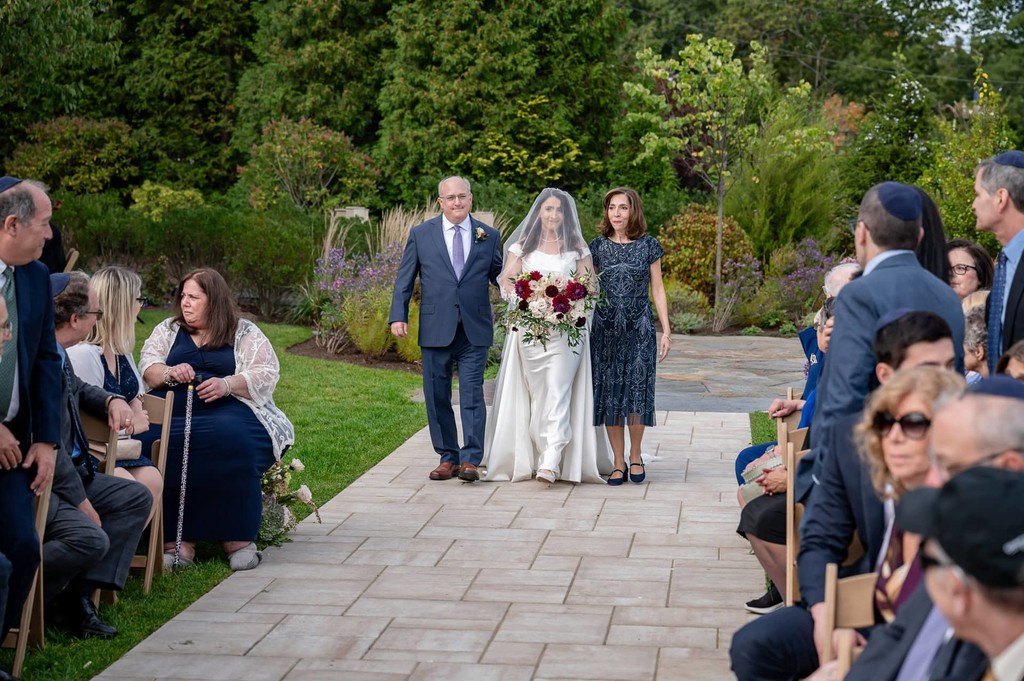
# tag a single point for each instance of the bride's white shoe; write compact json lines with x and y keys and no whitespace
{"x":546,"y":475}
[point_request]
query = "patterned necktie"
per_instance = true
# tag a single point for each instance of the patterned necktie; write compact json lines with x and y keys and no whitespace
{"x":458,"y":252}
{"x":995,"y":314}
{"x":10,"y":359}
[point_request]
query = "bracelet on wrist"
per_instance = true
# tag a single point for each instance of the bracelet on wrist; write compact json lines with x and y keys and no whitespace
{"x":168,"y":381}
{"x":227,"y":386}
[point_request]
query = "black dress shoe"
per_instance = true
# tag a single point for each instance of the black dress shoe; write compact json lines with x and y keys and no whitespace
{"x":90,"y":625}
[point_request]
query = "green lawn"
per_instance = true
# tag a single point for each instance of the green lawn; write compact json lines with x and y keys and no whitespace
{"x":347,"y":418}
{"x":762,"y":428}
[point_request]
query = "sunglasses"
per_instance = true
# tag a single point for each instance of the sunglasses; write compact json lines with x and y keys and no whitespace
{"x":914,"y":425}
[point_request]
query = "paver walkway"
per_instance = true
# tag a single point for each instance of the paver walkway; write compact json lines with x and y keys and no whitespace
{"x":412,"y":579}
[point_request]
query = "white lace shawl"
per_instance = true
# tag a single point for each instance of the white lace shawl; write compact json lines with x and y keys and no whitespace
{"x":255,"y":361}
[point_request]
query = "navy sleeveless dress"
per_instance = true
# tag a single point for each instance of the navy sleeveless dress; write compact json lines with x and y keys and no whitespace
{"x":128,"y":388}
{"x":228,"y":453}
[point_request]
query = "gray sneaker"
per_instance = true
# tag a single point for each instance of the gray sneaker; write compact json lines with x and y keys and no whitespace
{"x":245,"y":558}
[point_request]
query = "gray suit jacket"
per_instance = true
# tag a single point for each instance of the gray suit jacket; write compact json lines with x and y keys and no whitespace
{"x":443,"y":297}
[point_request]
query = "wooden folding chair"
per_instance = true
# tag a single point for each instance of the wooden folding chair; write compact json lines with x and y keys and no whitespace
{"x":103,"y":442}
{"x":849,"y":604}
{"x":786,"y":430}
{"x":794,"y":512}
{"x":71,"y":261}
{"x":31,"y":627}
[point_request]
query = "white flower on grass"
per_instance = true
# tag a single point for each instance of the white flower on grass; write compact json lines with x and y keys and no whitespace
{"x":304,"y":495}
{"x":297,"y":465}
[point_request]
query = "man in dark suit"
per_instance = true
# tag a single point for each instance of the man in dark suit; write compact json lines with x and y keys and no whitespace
{"x":784,"y":644}
{"x":455,"y":257}
{"x":29,"y":382}
{"x":888,"y":228}
{"x":94,"y":520}
{"x":999,"y":208}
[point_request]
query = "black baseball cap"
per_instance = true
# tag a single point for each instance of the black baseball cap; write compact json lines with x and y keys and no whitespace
{"x":976,"y":518}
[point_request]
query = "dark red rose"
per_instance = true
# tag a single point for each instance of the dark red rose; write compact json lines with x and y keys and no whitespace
{"x":575,"y":291}
{"x":523,"y":305}
{"x":535,"y":275}
{"x":523,"y":288}
{"x":581,"y":322}
{"x":560,"y":303}
{"x":551,"y":291}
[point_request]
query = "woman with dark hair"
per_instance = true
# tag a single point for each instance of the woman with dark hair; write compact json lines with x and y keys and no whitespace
{"x":236,"y":430}
{"x":1012,"y":362}
{"x":542,"y":413}
{"x":931,"y":249}
{"x":625,"y":345}
{"x":970,"y":267}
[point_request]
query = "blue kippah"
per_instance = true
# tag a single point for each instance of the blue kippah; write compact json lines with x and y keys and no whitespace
{"x":59,"y":282}
{"x":1010,"y":158}
{"x":998,"y":385}
{"x":893,"y":316}
{"x":900,"y":200}
{"x":6,"y":182}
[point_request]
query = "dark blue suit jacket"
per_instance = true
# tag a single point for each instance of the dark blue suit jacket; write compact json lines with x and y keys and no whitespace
{"x":39,"y":373}
{"x":843,"y":504}
{"x":897,"y":282}
{"x":442,"y":296}
{"x":888,"y":647}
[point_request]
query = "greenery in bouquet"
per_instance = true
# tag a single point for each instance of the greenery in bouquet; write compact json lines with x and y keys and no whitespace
{"x":278,"y":518}
{"x":546,"y":304}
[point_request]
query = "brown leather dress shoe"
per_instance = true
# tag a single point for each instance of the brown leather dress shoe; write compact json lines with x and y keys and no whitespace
{"x":445,"y":471}
{"x":469,"y":472}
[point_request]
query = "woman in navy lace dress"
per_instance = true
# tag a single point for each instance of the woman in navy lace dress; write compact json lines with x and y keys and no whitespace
{"x":625,"y":348}
{"x":104,"y":359}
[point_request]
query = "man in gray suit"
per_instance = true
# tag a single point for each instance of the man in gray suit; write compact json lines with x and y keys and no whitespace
{"x":888,"y":228}
{"x":95,"y":520}
{"x":455,"y":257}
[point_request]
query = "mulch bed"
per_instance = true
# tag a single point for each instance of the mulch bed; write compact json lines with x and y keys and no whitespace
{"x":391,"y":360}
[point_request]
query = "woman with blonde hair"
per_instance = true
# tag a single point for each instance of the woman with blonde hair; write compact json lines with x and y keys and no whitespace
{"x":893,"y":439}
{"x":104,"y":359}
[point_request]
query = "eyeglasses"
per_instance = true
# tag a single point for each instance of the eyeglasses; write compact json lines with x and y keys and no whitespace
{"x":914,"y":425}
{"x":451,"y":197}
{"x":929,"y":561}
{"x":961,"y":269}
{"x":143,"y":301}
{"x":852,"y":224}
{"x":6,"y":327}
{"x":958,"y":468}
{"x":98,"y":313}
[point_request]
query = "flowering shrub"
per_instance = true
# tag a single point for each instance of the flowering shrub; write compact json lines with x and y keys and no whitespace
{"x":552,"y":303}
{"x":741,"y":280}
{"x":791,"y":286}
{"x":689,"y":243}
{"x":278,"y":518}
{"x":340,"y":276}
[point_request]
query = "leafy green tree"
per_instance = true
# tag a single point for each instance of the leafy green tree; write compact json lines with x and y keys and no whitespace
{"x":77,"y":155}
{"x":182,"y":63}
{"x":309,"y":164}
{"x":786,"y":185}
{"x":42,"y":50}
{"x":663,"y":25}
{"x":458,"y":68}
{"x":998,"y":35}
{"x":975,"y":131}
{"x":318,"y":59}
{"x":704,"y":111}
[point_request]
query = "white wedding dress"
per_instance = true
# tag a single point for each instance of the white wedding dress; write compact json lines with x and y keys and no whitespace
{"x":543,"y":410}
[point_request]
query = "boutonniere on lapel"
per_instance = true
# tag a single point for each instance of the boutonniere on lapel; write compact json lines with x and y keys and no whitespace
{"x":481,"y":235}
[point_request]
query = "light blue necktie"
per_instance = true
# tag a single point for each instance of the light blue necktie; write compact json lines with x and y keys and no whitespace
{"x":995,"y":314}
{"x":9,"y":363}
{"x":458,"y":253}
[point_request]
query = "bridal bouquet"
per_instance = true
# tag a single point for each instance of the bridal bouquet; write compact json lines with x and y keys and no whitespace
{"x":278,"y":519}
{"x":551,"y":303}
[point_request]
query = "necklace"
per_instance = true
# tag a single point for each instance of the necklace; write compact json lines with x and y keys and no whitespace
{"x":551,"y":241}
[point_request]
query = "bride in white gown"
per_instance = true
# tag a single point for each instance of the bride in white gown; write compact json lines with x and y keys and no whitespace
{"x":541,"y":421}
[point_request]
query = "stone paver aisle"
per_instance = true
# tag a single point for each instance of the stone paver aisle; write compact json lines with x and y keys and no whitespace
{"x":412,"y":579}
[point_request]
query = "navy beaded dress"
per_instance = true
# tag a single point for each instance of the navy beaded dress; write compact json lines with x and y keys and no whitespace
{"x":229,"y":451}
{"x":624,"y":348}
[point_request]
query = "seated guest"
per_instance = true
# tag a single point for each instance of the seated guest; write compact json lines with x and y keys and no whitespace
{"x":988,"y":417}
{"x":979,"y":297}
{"x":970,"y":267}
{"x":237,"y":432}
{"x":1012,"y":362}
{"x":973,"y":555}
{"x":105,"y":360}
{"x":786,"y":643}
{"x":94,"y":521}
{"x":975,"y":341}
